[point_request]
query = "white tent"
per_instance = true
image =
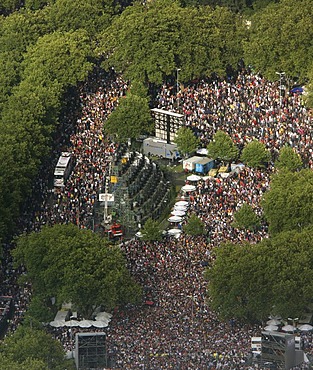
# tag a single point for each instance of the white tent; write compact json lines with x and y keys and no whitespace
{"x":174,"y":232}
{"x":305,"y":327}
{"x":187,"y":188}
{"x":175,"y":219}
{"x":57,"y":323}
{"x":289,"y":328}
{"x":273,"y":322}
{"x":202,"y":151}
{"x":71,"y":323}
{"x":277,"y":317}
{"x":180,"y":207}
{"x":271,"y":328}
{"x":178,"y":212}
{"x":100,"y":324}
{"x":194,"y":178}
{"x":106,"y":316}
{"x":85,"y":323}
{"x":182,"y":203}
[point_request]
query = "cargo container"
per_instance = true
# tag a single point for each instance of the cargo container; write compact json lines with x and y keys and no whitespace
{"x":204,"y":165}
{"x":189,"y":164}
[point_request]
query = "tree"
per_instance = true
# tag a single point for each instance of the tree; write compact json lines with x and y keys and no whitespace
{"x":76,"y":265}
{"x":28,"y":364}
{"x":17,"y":32}
{"x":245,"y":218}
{"x":186,"y":141}
{"x":91,"y":15}
{"x":35,"y":346}
{"x":247,"y":281}
{"x":151,"y":231}
{"x":291,"y":271}
{"x":148,"y":43}
{"x":130,"y":119}
{"x":255,"y":154}
{"x":288,"y":159}
{"x":280,"y":39}
{"x":237,"y":283}
{"x":8,"y":6}
{"x":288,"y":204}
{"x":61,"y":56}
{"x":194,"y":226}
{"x":222,"y":147}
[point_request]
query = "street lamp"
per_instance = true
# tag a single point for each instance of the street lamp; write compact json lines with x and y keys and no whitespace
{"x":281,"y":74}
{"x":177,"y":86}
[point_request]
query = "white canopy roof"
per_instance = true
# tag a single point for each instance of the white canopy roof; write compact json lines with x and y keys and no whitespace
{"x":175,"y":219}
{"x":187,"y":188}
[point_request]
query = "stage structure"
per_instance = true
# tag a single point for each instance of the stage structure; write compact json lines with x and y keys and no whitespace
{"x":90,"y":351}
{"x":279,"y":349}
{"x":167,"y":124}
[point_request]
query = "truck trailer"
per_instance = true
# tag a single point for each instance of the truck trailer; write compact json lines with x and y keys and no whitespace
{"x":189,"y":164}
{"x":160,"y":148}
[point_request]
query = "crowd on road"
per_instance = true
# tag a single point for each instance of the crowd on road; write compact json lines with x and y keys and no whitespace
{"x":179,"y":330}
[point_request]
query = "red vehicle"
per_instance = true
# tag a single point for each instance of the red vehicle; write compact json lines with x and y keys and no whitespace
{"x":115,"y":231}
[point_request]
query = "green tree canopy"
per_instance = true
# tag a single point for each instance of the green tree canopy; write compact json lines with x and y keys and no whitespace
{"x":148,"y":43}
{"x":76,"y":265}
{"x":130,"y":119}
{"x":194,"y":226}
{"x":28,"y":364}
{"x":17,"y":32}
{"x":246,"y":218}
{"x":255,"y":154}
{"x":61,"y":56}
{"x":236,"y":283}
{"x":33,"y":347}
{"x":222,"y":147}
{"x":288,"y":203}
{"x":151,"y":230}
{"x":186,"y":141}
{"x":288,"y":159}
{"x":91,"y":15}
{"x":280,"y":39}
{"x":247,"y":281}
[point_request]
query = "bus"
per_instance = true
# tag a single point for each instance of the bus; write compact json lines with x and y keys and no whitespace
{"x":63,"y":169}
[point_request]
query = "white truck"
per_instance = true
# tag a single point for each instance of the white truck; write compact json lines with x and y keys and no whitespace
{"x":63,"y":169}
{"x":160,"y":148}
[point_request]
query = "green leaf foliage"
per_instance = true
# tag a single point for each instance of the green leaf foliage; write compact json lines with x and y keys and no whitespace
{"x":130,"y":119}
{"x":17,"y":32}
{"x":246,"y":218}
{"x":63,"y":57}
{"x":236,"y":283}
{"x":186,"y":141}
{"x":222,"y":147}
{"x":148,"y":43}
{"x":91,"y":15}
{"x":247,"y":281}
{"x":33,"y":347}
{"x":151,"y":231}
{"x":255,"y":154}
{"x":280,"y":39}
{"x":288,"y":160}
{"x":194,"y":226}
{"x":288,"y":204}
{"x":28,"y":364}
{"x":78,"y":266}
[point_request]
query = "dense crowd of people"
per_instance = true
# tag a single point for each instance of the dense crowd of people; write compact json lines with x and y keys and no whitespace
{"x":178,"y":330}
